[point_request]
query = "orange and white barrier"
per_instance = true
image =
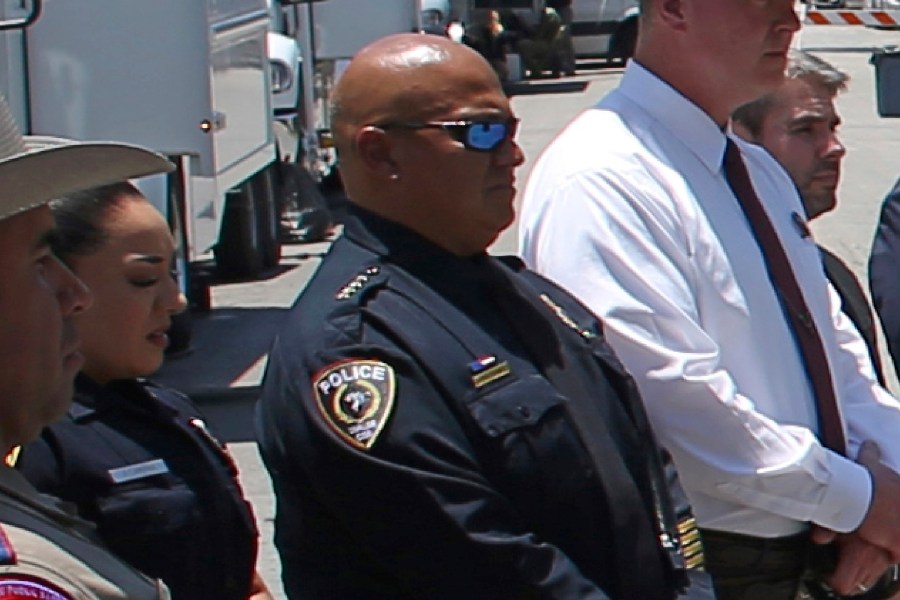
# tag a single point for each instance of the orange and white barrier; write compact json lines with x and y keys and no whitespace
{"x":852,"y":17}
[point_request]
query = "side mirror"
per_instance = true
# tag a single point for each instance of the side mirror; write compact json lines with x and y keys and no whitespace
{"x":30,"y":11}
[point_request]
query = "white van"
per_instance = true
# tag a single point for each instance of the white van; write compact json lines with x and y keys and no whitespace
{"x":604,"y":28}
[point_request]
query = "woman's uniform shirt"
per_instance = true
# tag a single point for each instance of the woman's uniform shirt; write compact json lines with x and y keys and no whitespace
{"x":138,"y":461}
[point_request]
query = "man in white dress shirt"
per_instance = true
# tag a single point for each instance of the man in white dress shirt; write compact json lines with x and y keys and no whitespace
{"x":630,"y":209}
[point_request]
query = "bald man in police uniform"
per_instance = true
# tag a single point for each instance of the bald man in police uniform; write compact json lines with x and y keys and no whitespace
{"x":46,"y":552}
{"x":440,"y":423}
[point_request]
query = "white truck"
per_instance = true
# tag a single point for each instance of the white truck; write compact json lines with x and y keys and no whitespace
{"x":600,"y":28}
{"x":606,"y":28}
{"x":188,"y":78}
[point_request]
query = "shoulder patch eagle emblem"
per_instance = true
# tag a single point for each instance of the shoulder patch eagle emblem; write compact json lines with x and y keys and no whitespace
{"x":356,"y":398}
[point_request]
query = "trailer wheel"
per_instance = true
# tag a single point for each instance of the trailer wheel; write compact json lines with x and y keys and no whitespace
{"x":306,"y":207}
{"x":180,"y":335}
{"x":238,"y":251}
{"x":181,"y":331}
{"x":268,"y":215}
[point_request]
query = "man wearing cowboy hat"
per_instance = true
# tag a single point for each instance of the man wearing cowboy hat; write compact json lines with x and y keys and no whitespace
{"x":46,"y":552}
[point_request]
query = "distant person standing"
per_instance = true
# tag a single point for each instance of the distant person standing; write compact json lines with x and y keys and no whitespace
{"x":543,"y":50}
{"x":566,"y":46}
{"x":797,"y":123}
{"x":884,"y":272}
{"x":488,"y":37}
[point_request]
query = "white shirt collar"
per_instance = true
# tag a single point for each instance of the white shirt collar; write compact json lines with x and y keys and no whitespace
{"x":672,"y":111}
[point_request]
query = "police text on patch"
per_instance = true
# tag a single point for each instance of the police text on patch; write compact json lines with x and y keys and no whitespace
{"x":351,"y":372}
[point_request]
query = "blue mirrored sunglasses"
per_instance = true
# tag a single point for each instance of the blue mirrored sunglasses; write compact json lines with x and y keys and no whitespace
{"x":481,"y":136}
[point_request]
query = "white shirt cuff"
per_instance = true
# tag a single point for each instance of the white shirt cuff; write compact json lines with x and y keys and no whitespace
{"x":847,"y":496}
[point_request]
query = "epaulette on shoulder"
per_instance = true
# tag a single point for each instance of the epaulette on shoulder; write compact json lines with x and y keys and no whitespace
{"x":79,"y":412}
{"x":365,"y":279}
{"x":174,"y":400}
{"x":159,"y":390}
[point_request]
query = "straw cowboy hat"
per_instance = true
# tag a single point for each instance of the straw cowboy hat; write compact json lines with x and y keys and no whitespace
{"x":35,"y":170}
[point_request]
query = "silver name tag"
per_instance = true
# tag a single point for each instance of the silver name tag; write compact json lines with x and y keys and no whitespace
{"x":139,"y":471}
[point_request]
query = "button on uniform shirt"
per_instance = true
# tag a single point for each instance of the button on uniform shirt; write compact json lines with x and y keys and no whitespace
{"x":630,"y":210}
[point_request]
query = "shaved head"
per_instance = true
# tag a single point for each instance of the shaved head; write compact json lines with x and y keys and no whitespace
{"x":400,"y":114}
{"x":404,"y":77}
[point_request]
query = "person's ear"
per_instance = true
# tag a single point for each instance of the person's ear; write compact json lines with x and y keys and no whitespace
{"x":672,"y":13}
{"x":375,"y":150}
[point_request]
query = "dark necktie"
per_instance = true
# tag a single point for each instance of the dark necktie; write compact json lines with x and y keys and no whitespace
{"x":785,"y":283}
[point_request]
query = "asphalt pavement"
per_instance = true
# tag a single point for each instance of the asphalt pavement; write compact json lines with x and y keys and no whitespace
{"x":224,"y":368}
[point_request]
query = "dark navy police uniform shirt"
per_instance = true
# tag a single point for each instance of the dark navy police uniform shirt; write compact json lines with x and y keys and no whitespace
{"x":418,"y":449}
{"x":138,"y":461}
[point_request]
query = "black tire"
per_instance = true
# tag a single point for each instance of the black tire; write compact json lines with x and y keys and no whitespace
{"x":624,"y":41}
{"x":332,"y":188}
{"x":180,"y":335}
{"x":200,"y":295}
{"x":332,"y":182}
{"x":181,"y":331}
{"x":312,"y":219}
{"x":238,"y":251}
{"x":268,"y":215}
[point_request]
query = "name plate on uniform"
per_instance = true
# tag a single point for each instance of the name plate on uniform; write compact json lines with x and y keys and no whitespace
{"x":139,"y":471}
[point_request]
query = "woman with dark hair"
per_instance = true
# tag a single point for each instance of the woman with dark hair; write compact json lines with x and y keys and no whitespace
{"x":135,"y":458}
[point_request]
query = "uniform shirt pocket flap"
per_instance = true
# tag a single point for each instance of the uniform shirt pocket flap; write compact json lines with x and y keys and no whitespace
{"x":518,"y":403}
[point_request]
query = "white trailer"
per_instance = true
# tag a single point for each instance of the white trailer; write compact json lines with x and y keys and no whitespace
{"x":328,"y":35}
{"x":188,"y":78}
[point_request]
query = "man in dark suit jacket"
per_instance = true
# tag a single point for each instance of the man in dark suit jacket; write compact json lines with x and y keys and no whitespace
{"x":884,"y":272}
{"x":797,"y":124}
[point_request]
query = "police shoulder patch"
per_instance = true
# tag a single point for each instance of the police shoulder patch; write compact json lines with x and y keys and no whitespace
{"x":356,"y":397}
{"x":14,"y":587}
